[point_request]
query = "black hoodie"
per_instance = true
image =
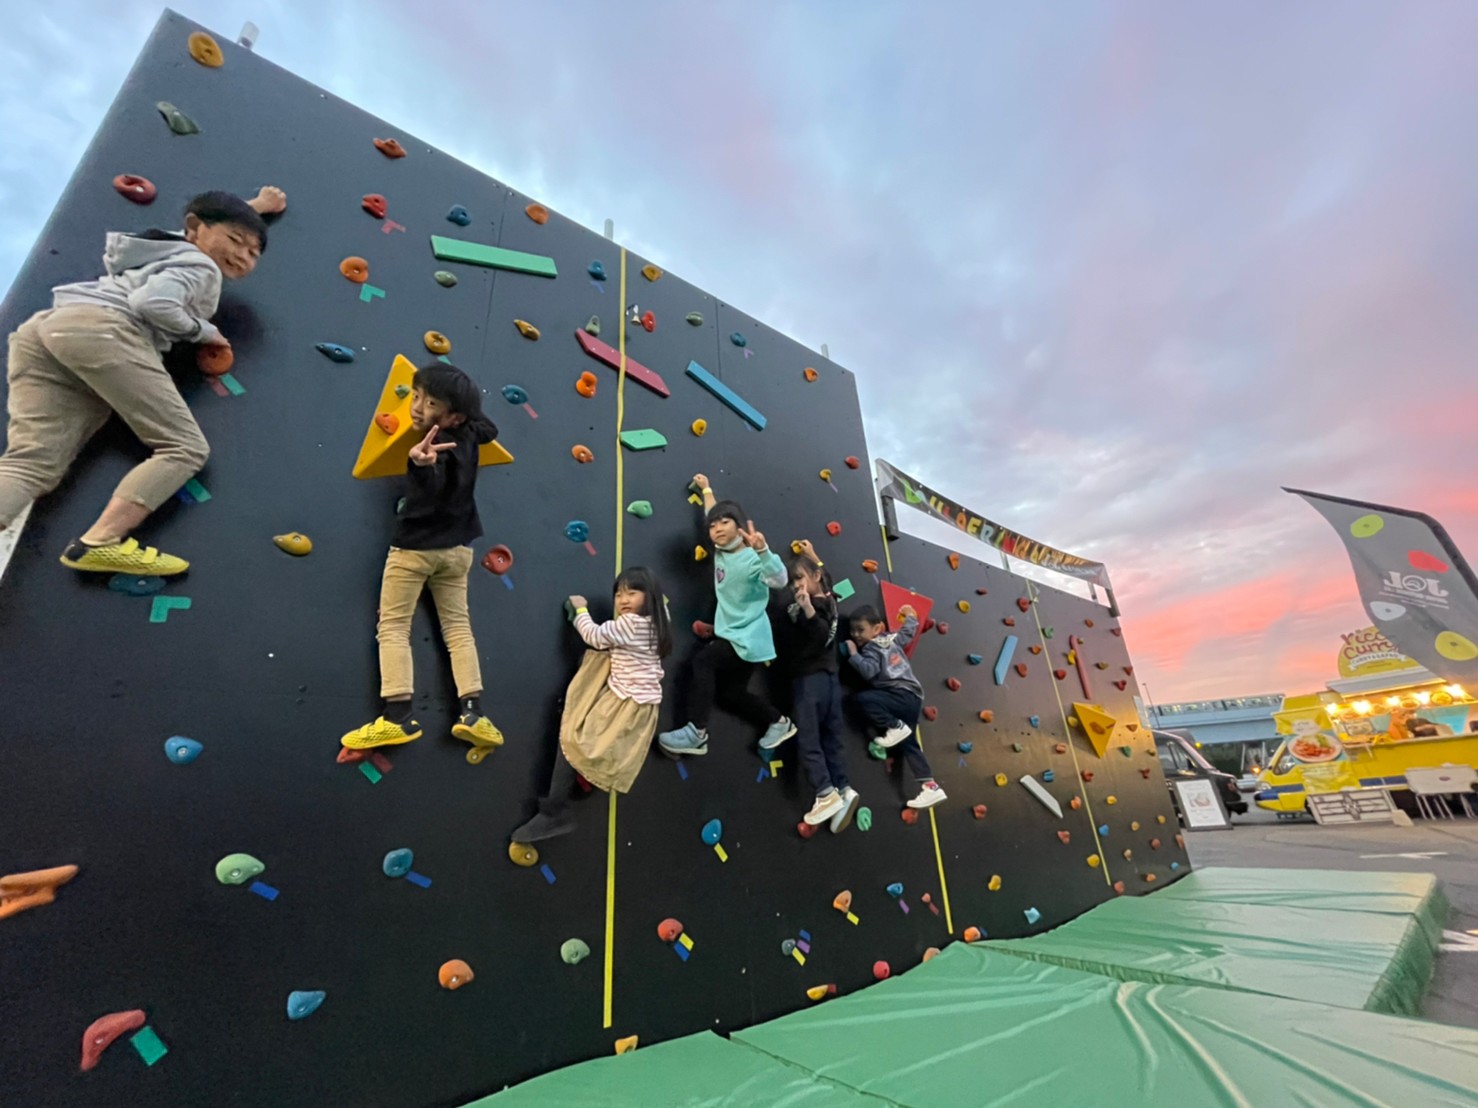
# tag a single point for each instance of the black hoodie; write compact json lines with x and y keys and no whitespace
{"x":440,"y":508}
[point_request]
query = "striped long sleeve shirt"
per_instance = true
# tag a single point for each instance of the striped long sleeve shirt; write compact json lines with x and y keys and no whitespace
{"x":636,"y":671}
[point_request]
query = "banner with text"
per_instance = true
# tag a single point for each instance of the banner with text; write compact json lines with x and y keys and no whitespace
{"x":900,"y":487}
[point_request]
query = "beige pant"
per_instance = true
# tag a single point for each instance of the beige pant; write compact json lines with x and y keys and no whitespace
{"x":445,"y":573}
{"x":72,"y":367}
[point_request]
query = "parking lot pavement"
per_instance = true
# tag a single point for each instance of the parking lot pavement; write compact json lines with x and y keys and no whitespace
{"x":1447,"y":848}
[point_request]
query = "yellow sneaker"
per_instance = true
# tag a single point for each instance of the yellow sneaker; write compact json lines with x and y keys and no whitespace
{"x":480,"y":733}
{"x":123,"y":557}
{"x":381,"y":733}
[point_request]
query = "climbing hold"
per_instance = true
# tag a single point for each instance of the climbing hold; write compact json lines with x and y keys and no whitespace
{"x":1024,"y":603}
{"x":642,"y":509}
{"x":941,"y":627}
{"x":537,"y":212}
{"x":1093,"y":860}
{"x":1121,"y":685}
{"x":981,"y":592}
{"x":1128,"y":854}
{"x":645,"y":438}
{"x":390,"y":147}
{"x":130,"y":186}
{"x":738,"y":339}
{"x":527,"y":329}
{"x":1020,"y":669}
{"x":178,"y":121}
{"x":522,"y":854}
{"x":695,"y":319}
{"x":1087,"y":623}
{"x":20,"y":891}
{"x":375,"y":204}
{"x":895,"y":890}
{"x":454,"y":974}
{"x":581,"y":454}
{"x":932,"y":952}
{"x":1111,"y":800}
{"x":1048,"y":776}
{"x":498,"y":560}
{"x":965,"y":748}
{"x":833,"y":528}
{"x":1075,"y":803}
{"x":1060,"y":674}
{"x":1103,"y":829}
{"x":301,"y":1004}
{"x":1175,"y":865}
{"x":864,"y":819}
{"x":1002,"y":779}
{"x":515,"y":395}
{"x":102,"y":1032}
{"x":445,"y":278}
{"x":909,"y":816}
{"x":1016,"y":747}
{"x":974,"y":659}
{"x":1087,"y":775}
{"x":182,"y":751}
{"x":237,"y":869}
{"x":700,"y":553}
{"x":952,"y":684}
{"x":459,"y":215}
{"x":651,"y":272}
{"x":215,"y":360}
{"x":1180,"y":841}
{"x":1154,"y":844}
{"x":1035,"y":648}
{"x":136,"y":586}
{"x":574,"y":951}
{"x":853,"y":462}
{"x":821,"y":992}
{"x":596,"y":271}
{"x":1159,"y":819}
{"x":205,"y":50}
{"x":810,"y":374}
{"x":702,"y":630}
{"x":881,"y":971}
{"x":1145,"y":773}
{"x":869,"y":565}
{"x":355,"y":268}
{"x":1100,"y":665}
{"x":1009,"y":621}
{"x":963,"y":605}
{"x":577,"y":530}
{"x":1150,"y":878}
{"x":713,"y":831}
{"x":994,"y":884}
{"x":592,"y":325}
{"x":986,"y":715}
{"x":437,"y":343}
{"x":805,"y":830}
{"x":398,"y":863}
{"x":388,"y":422}
{"x":1035,"y":721}
{"x":978,"y":811}
{"x":931,"y":713}
{"x":842,"y":902}
{"x":877,"y":752}
{"x":1065,"y":836}
{"x":334,"y":352}
{"x":787,"y":948}
{"x":1134,"y":825}
{"x":954,"y":561}
{"x":825,"y":475}
{"x":973,"y":935}
{"x":627,"y":1045}
{"x":669,"y":929}
{"x":648,"y":321}
{"x":1032,"y":915}
{"x":698,"y":427}
{"x":1059,"y":748}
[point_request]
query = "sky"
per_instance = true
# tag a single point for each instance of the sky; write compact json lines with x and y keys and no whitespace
{"x":1109,"y":273}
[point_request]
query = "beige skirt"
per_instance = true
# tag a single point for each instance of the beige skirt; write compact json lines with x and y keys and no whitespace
{"x":604,"y":736}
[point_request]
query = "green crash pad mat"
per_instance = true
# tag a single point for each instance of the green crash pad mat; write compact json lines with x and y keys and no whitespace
{"x":1370,"y":960}
{"x":1411,"y":894}
{"x":701,"y":1069}
{"x":977,"y":1027}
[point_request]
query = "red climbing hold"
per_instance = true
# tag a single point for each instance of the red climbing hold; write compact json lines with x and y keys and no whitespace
{"x":931,"y":713}
{"x":1059,"y":673}
{"x":1024,"y":603}
{"x":103,"y":1031}
{"x":1009,"y":621}
{"x":214,"y":360}
{"x":805,"y":830}
{"x":982,"y":592}
{"x":1119,"y":887}
{"x":1145,"y":774}
{"x":375,"y":204}
{"x":1020,"y":669}
{"x":1154,"y":844}
{"x":348,"y":757}
{"x":1035,"y":648}
{"x":1087,"y":623}
{"x":1087,"y":775}
{"x":1129,"y":670}
{"x":140,"y":190}
{"x":910,"y":816}
{"x":942,"y":628}
{"x":1116,"y":632}
{"x":852,"y":462}
{"x":498,"y":560}
{"x":702,"y":630}
{"x":390,"y":148}
{"x":833,"y":528}
{"x":882,"y":971}
{"x":1065,"y":836}
{"x":953,"y":684}
{"x":978,"y":811}
{"x":927,"y":627}
{"x":669,"y":929}
{"x":648,"y":321}
{"x":1121,"y":685}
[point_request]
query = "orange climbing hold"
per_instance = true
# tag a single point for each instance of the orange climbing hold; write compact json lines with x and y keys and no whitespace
{"x":669,"y":929}
{"x":206,"y":50}
{"x":454,"y":974}
{"x":954,"y":561}
{"x":581,"y":454}
{"x":1075,"y":803}
{"x":1059,"y":748}
{"x":537,"y":212}
{"x":972,"y":935}
{"x":1020,"y":669}
{"x":387,"y":422}
{"x":215,"y":360}
{"x":1024,"y":603}
{"x":842,"y":902}
{"x":498,"y":560}
{"x":833,"y":528}
{"x":932,"y":952}
{"x":909,"y":816}
{"x":355,"y":268}
{"x":987,"y":715}
{"x":1035,"y":648}
{"x":869,"y":565}
{"x":586,"y":385}
{"x":978,"y":811}
{"x":810,"y":374}
{"x":19,"y":891}
{"x":390,"y":148}
{"x":651,"y":272}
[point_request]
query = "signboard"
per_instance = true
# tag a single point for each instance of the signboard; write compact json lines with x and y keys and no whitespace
{"x":1352,"y":806}
{"x":1200,"y":805}
{"x":1367,"y":651}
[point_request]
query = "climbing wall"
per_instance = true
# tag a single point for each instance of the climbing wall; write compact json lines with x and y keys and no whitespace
{"x":265,"y":659}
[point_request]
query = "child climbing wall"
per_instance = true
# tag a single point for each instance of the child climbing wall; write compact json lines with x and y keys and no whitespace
{"x":276,"y":902}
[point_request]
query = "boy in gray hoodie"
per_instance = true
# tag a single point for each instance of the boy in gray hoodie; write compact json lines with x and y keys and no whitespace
{"x":98,"y":350}
{"x":893,"y":702}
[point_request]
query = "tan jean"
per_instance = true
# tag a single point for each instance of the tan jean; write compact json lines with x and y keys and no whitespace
{"x":445,"y":573}
{"x":72,"y":367}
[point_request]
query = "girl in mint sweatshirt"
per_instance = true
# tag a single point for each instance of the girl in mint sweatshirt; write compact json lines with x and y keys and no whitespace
{"x":745,"y":569}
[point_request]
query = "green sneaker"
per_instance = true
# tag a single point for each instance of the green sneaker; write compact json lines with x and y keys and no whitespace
{"x":123,"y":557}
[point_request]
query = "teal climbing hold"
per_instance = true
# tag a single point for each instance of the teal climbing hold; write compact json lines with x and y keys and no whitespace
{"x":864,"y":819}
{"x":713,"y":831}
{"x":1048,"y":776}
{"x":301,"y":1004}
{"x":738,"y":339}
{"x":643,"y":439}
{"x":398,"y":862}
{"x":459,"y":215}
{"x":515,"y":395}
{"x":334,"y":352}
{"x":895,"y":890}
{"x":1035,"y":721}
{"x":974,"y":659}
{"x":597,"y":271}
{"x":182,"y":751}
{"x":136,"y":586}
{"x":577,"y":530}
{"x":965,"y":748}
{"x":1032,"y":915}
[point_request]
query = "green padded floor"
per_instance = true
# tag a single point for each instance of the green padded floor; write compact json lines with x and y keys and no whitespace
{"x":977,"y":1027}
{"x":1351,"y":958}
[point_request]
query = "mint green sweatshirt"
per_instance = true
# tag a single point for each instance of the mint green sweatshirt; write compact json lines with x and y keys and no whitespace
{"x":742,"y":581}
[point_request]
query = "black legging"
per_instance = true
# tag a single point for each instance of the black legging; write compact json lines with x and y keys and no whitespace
{"x":561,"y":780}
{"x":719,"y":674}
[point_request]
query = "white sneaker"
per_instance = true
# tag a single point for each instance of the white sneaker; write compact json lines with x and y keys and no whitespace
{"x":824,"y":808}
{"x":843,"y":819}
{"x":895,"y":735}
{"x":777,"y":733}
{"x":930,"y":795}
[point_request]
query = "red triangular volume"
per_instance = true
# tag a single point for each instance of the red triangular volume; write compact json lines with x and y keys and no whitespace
{"x":895,"y":598}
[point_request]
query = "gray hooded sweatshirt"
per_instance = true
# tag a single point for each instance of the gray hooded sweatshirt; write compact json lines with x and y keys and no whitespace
{"x":167,"y":285}
{"x":883,"y":663}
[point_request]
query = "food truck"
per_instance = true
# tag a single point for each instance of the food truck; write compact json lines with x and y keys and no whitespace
{"x":1385,"y":714}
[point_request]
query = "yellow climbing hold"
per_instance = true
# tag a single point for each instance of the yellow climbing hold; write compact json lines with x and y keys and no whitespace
{"x":1093,"y":860}
{"x":294,"y":543}
{"x":994,"y":884}
{"x":626,"y":1045}
{"x":825,"y":475}
{"x":1111,"y":800}
{"x":651,"y":272}
{"x":962,"y":605}
{"x":1159,"y":819}
{"x":1001,"y":779}
{"x":699,"y":426}
{"x":700,"y":553}
{"x":522,"y":854}
{"x":1134,"y":826}
{"x":527,"y":329}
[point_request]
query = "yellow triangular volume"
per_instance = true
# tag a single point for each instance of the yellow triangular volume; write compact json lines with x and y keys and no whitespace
{"x":385,"y":453}
{"x":1097,"y":724}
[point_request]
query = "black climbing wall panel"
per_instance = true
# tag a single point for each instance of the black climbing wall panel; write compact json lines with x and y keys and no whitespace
{"x":276,"y":658}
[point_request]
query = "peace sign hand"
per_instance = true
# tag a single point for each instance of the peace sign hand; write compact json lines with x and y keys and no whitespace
{"x":425,"y":452}
{"x":753,"y":539}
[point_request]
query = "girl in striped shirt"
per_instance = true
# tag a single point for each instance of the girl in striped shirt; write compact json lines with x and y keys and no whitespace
{"x":611,"y":706}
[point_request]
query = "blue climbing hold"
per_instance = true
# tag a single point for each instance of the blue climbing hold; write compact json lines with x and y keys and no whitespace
{"x":1048,"y":776}
{"x":738,"y":339}
{"x":1032,"y":915}
{"x":597,"y":271}
{"x":334,"y":352}
{"x":1036,"y":721}
{"x":965,"y":748}
{"x":301,"y":1004}
{"x":398,"y":862}
{"x":896,"y":889}
{"x":577,"y":530}
{"x":182,"y":751}
{"x":1175,"y":865}
{"x":459,"y":215}
{"x":1103,"y":829}
{"x":974,"y":659}
{"x":515,"y":395}
{"x":136,"y":586}
{"x":713,"y":831}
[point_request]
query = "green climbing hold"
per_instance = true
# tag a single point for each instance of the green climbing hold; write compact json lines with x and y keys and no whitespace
{"x":644,"y":439}
{"x":864,"y":819}
{"x":1046,"y":632}
{"x":695,"y":319}
{"x":237,"y":869}
{"x":402,"y":391}
{"x":179,"y":122}
{"x":592,"y":325}
{"x":1016,"y":747}
{"x":877,"y":751}
{"x":574,"y":951}
{"x":642,"y":509}
{"x":445,"y":278}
